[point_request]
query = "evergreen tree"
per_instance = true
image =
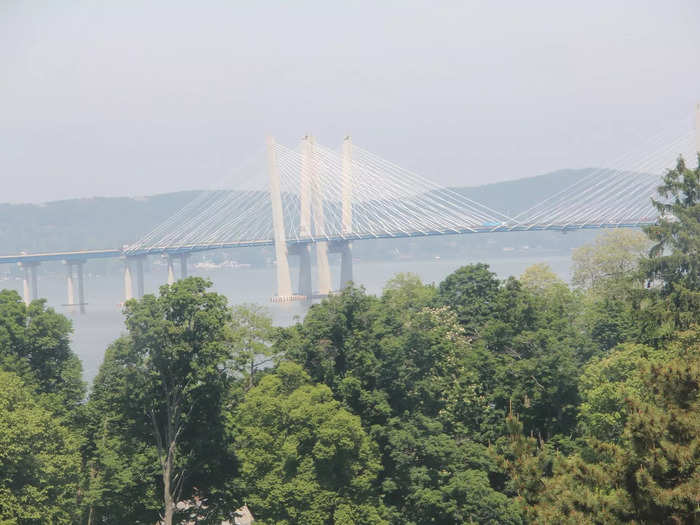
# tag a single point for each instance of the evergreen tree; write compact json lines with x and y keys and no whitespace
{"x":674,"y":260}
{"x":652,"y":475}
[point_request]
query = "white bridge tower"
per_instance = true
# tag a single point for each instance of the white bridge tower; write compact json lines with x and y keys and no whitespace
{"x":284,"y":282}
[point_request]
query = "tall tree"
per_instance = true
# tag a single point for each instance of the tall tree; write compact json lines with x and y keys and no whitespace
{"x":169,"y":377}
{"x":674,"y":260}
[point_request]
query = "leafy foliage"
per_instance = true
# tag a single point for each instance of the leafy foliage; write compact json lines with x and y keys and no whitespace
{"x":39,"y":459}
{"x":652,"y":475}
{"x":35,"y":344}
{"x":164,"y":384}
{"x":304,"y":459}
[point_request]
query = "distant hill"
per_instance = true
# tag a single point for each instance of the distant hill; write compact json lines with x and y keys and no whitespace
{"x":104,"y":222}
{"x":100,"y":222}
{"x":515,"y":196}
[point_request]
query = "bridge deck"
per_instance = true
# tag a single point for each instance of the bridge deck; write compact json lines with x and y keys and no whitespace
{"x":81,"y":255}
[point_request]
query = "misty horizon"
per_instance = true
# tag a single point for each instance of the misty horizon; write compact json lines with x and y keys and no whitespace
{"x":134,"y":100}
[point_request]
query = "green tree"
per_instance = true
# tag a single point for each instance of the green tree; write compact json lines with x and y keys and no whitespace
{"x":39,"y":459}
{"x":251,"y":333}
{"x":163,"y":385}
{"x":304,"y":459}
{"x":540,"y":279}
{"x":123,"y":471}
{"x":537,"y":349}
{"x":408,"y":369}
{"x":606,"y":384}
{"x":610,"y":263}
{"x":471,"y":291}
{"x":652,"y":475}
{"x":674,"y":260}
{"x":527,"y":461}
{"x":405,"y":292}
{"x":35,"y":343}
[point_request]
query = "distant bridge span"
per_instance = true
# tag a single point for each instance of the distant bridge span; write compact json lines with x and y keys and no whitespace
{"x":316,"y":197}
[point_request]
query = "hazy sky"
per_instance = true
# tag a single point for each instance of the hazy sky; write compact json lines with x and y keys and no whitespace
{"x":133,"y":97}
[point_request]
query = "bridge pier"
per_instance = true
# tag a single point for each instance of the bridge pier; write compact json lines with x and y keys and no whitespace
{"x":30,"y":286}
{"x":305,"y":285}
{"x":345,"y":265}
{"x":171,"y":270}
{"x":344,"y":248}
{"x":183,"y":258}
{"x":324,"y":269}
{"x":138,"y":260}
{"x":133,"y":263}
{"x":128,"y":284}
{"x":70,"y":299}
{"x":81,"y":285}
{"x":183,"y":265}
{"x":70,"y":285}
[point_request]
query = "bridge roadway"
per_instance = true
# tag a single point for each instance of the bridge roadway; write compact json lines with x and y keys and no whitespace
{"x":83,"y":255}
{"x":133,"y":258}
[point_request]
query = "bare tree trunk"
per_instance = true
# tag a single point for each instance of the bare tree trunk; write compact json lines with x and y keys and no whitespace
{"x":93,"y":475}
{"x":167,"y":491}
{"x":166,"y":445}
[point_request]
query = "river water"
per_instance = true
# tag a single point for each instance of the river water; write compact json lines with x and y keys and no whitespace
{"x":103,"y":322}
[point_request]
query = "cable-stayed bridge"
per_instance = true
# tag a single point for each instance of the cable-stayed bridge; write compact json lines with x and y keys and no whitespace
{"x":313,"y":197}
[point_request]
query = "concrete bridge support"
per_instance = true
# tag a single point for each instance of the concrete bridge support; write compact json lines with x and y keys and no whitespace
{"x":345,"y":265}
{"x":70,"y":285}
{"x":81,"y":285}
{"x":344,"y":248}
{"x":139,"y":275}
{"x":314,"y":179}
{"x":128,"y":282}
{"x":183,"y":265}
{"x":133,"y":271}
{"x":347,"y":186}
{"x":30,"y":285}
{"x":284,"y":281}
{"x":70,"y":299}
{"x":305,"y":284}
{"x":171,"y":270}
{"x":183,"y":258}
